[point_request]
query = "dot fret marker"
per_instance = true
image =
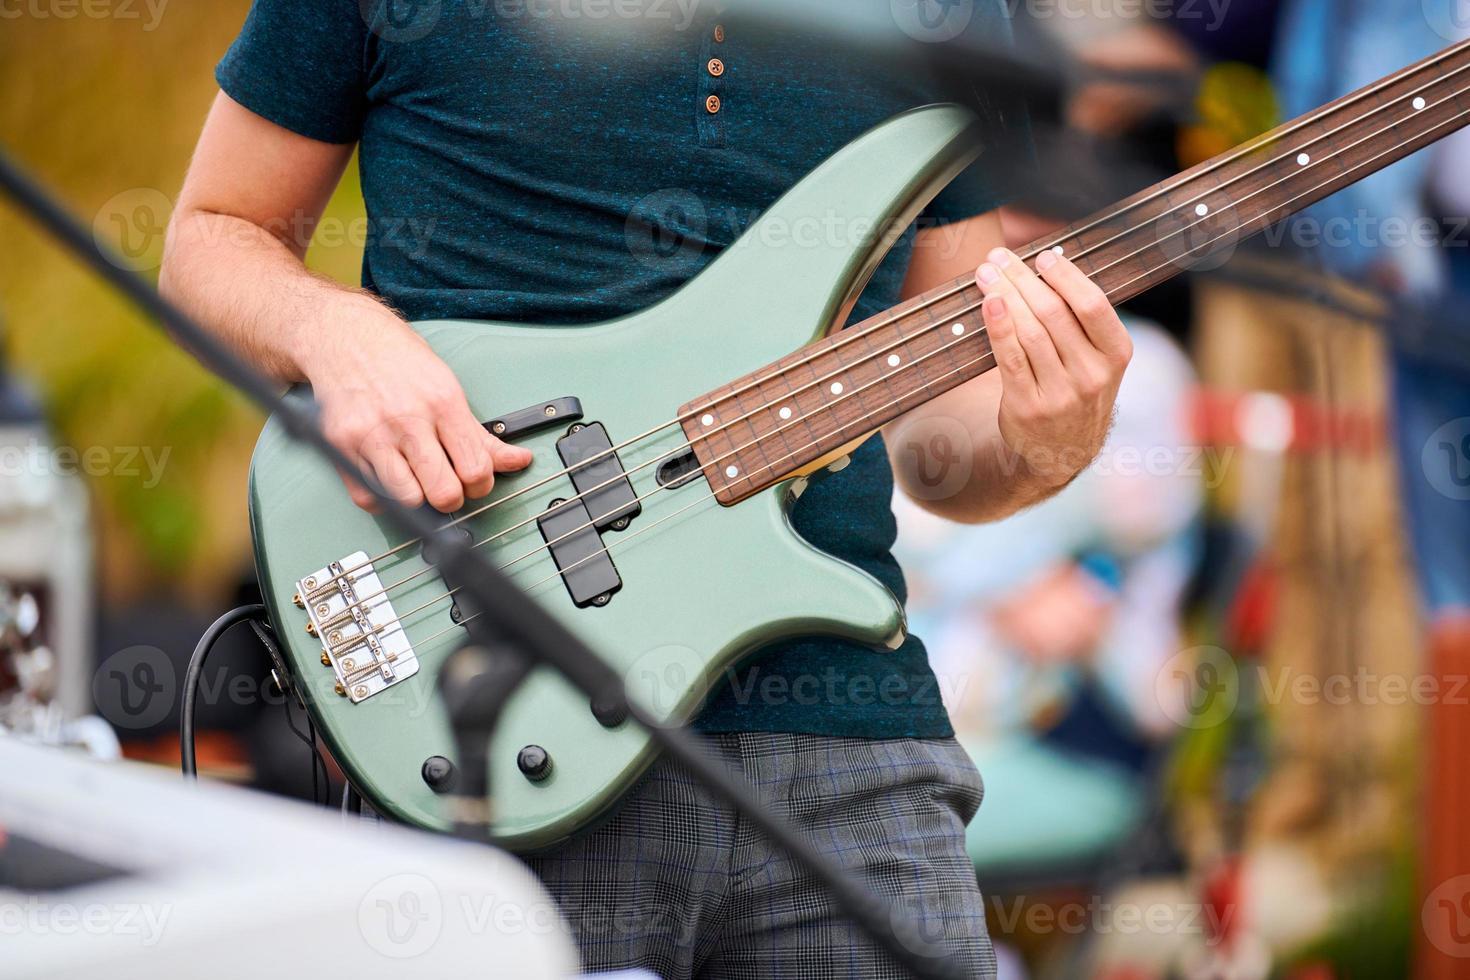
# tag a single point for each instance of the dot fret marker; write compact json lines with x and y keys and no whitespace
{"x":707,"y":421}
{"x":893,"y":360}
{"x":1202,"y":210}
{"x":785,"y":413}
{"x":1303,"y":159}
{"x":1419,"y":102}
{"x":958,"y":329}
{"x":837,"y":387}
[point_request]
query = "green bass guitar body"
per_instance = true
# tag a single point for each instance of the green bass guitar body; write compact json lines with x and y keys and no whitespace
{"x":698,"y":586}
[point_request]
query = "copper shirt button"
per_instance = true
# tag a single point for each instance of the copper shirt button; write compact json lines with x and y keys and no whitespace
{"x":712,"y":104}
{"x":719,"y":33}
{"x":716,"y":67}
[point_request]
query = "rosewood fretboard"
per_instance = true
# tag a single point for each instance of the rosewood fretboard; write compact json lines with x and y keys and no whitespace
{"x":761,"y":428}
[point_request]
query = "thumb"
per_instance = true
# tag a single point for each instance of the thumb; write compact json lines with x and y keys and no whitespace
{"x":508,"y":458}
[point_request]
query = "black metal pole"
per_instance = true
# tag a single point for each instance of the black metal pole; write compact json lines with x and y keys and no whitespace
{"x":533,"y":632}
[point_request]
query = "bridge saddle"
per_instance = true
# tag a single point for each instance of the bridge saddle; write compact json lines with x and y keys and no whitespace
{"x":362,"y":637}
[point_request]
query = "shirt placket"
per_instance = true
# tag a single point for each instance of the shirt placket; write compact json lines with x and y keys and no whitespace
{"x":714,"y":68}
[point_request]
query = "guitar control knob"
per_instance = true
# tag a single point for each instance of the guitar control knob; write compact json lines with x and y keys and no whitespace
{"x":439,"y":773}
{"x":534,"y":763}
{"x":610,"y":712}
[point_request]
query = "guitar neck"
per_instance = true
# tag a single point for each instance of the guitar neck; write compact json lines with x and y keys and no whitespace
{"x":758,"y":430}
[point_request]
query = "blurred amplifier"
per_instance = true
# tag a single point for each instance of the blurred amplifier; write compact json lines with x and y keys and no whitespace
{"x":122,"y":871}
{"x":45,"y":557}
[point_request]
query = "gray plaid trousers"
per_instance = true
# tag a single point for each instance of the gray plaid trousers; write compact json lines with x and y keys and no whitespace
{"x":678,"y":884}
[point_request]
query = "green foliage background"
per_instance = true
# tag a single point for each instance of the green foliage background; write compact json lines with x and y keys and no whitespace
{"x":105,"y":109}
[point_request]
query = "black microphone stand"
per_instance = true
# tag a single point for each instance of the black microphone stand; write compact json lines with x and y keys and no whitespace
{"x":509,"y":633}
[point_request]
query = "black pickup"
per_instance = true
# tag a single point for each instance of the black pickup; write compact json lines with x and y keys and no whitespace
{"x":576,"y":547}
{"x":598,"y":475}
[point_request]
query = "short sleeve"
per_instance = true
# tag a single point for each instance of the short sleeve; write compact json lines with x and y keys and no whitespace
{"x":299,"y":63}
{"x":1007,"y":152}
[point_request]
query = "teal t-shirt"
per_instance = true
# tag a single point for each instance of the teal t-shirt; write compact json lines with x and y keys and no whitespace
{"x":534,"y":168}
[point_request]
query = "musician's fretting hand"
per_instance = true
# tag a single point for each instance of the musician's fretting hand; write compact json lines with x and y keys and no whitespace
{"x":1060,"y":351}
{"x":393,"y":406}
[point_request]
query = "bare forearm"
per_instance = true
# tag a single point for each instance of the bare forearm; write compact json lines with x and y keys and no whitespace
{"x":948,"y":456}
{"x":254,"y":293}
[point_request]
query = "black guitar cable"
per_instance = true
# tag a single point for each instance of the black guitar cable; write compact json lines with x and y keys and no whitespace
{"x":488,"y":593}
{"x":195,"y":671}
{"x":255,"y":615}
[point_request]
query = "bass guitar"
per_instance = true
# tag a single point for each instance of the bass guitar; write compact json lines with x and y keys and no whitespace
{"x":654,"y":520}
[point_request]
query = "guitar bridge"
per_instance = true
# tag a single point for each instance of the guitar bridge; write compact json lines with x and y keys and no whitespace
{"x":363,"y":640}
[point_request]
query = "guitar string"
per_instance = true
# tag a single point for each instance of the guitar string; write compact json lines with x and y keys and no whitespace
{"x":666,"y":455}
{"x":623,"y":544}
{"x":943,"y":348}
{"x":343,"y":617}
{"x":398,"y":621}
{"x":1297,"y":150}
{"x":1305,"y":122}
{"x":919,"y":303}
{"x":618,"y":545}
{"x":873,"y":356}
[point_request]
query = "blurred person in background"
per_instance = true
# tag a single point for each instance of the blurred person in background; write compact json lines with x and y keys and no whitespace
{"x":1049,"y":629}
{"x":1403,"y":231}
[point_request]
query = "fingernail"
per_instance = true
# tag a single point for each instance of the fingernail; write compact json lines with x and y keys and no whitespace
{"x":1000,"y":256}
{"x":995,"y":308}
{"x":1046,"y":260}
{"x":989,"y":273}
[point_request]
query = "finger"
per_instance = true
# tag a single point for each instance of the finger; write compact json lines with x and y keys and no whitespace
{"x":1046,"y":364}
{"x":393,"y":472}
{"x":470,"y":451}
{"x":1010,"y":358}
{"x":358,"y":493}
{"x":1051,"y":310}
{"x":418,"y":442}
{"x":476,"y":454}
{"x":1095,"y":313}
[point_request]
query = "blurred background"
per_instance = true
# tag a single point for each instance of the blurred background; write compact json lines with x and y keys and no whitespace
{"x":1217,"y":688}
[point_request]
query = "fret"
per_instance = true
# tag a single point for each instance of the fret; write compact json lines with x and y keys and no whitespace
{"x":846,"y":386}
